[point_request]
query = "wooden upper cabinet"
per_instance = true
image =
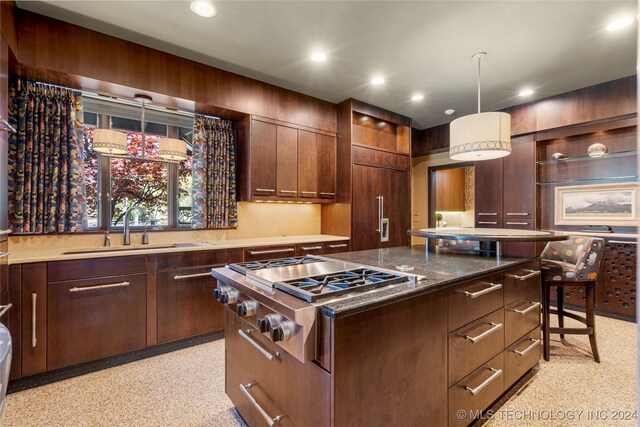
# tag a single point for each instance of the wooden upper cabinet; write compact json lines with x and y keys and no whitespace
{"x":488,"y":194}
{"x":450,"y":190}
{"x":263,"y":158}
{"x":308,"y":160}
{"x":326,"y":166}
{"x":287,"y":161}
{"x":519,"y":181}
{"x":381,"y":134}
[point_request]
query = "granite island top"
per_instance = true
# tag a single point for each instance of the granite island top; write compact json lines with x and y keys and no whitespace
{"x":439,"y":269}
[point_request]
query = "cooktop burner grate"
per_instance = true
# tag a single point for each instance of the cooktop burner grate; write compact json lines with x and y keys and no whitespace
{"x":242,"y":267}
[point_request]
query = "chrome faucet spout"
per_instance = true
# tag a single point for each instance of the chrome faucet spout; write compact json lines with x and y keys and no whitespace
{"x":127,"y":227}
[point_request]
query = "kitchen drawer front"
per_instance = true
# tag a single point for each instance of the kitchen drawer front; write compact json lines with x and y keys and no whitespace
{"x":310,"y":249}
{"x":235,"y":376}
{"x":300,"y":389}
{"x":522,"y":356}
{"x":269,"y":252}
{"x":191,"y":259}
{"x":487,"y":382}
{"x":519,"y":318}
{"x":95,"y":318}
{"x":474,"y":344}
{"x":336,"y":247}
{"x":472,"y":300}
{"x":59,"y":271}
{"x":522,"y":282}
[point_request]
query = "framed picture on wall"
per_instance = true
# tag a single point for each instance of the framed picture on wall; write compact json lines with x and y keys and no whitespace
{"x":598,"y":204}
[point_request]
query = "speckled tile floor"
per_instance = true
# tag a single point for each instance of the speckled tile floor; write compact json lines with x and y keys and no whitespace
{"x":186,"y":388}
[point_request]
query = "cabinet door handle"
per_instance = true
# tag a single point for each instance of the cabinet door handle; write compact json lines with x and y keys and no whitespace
{"x":526,"y":310}
{"x":534,"y":342}
{"x":311,"y":248}
{"x":341,"y":245}
{"x":517,"y":223}
{"x":4,"y":309}
{"x":266,"y":190}
{"x":271,"y":422}
{"x":488,"y":214}
{"x":91,"y":288}
{"x":5,"y":254}
{"x":494,"y":327}
{"x":623,"y":242}
{"x":191,"y":276}
{"x":265,"y":353}
{"x":488,"y":222}
{"x":289,"y":191}
{"x":327,"y":194}
{"x":310,"y":192}
{"x":492,"y":287}
{"x":496,"y":374}
{"x":532,"y":273}
{"x":34,"y":301}
{"x":517,"y":213}
{"x":271,"y":251}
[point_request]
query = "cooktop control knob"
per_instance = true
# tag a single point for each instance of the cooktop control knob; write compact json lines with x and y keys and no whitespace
{"x":282,"y":331}
{"x":247,"y":308}
{"x":269,"y":321}
{"x":217,"y":292}
{"x":229,"y":297}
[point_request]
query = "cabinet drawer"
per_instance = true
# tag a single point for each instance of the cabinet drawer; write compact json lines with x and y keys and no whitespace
{"x":476,"y":391}
{"x":236,"y":376}
{"x":519,"y":318}
{"x":336,"y":247}
{"x":186,"y":307}
{"x":472,"y":300}
{"x":191,"y":259}
{"x":300,"y":389}
{"x":522,"y":356}
{"x":310,"y":249}
{"x":95,"y":318}
{"x":474,"y":344}
{"x":522,"y":282}
{"x":59,"y":271}
{"x":488,"y":222}
{"x":268,"y":252}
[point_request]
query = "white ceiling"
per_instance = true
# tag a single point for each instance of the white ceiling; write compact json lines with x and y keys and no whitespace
{"x":418,"y":46}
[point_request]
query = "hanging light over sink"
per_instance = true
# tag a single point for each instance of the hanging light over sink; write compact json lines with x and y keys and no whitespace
{"x":109,"y":141}
{"x":172,"y":149}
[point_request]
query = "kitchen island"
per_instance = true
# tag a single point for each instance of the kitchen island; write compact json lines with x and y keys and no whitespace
{"x":425,"y":350}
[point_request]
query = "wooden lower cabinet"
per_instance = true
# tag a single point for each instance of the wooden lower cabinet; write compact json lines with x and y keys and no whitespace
{"x":95,"y":318}
{"x":186,"y":307}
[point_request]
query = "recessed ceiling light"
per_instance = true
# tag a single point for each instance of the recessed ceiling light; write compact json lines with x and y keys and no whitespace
{"x":377,"y":81}
{"x":525,"y":92}
{"x":318,"y":57}
{"x":619,"y":24}
{"x":417,"y":97}
{"x":203,"y":8}
{"x":449,"y":112}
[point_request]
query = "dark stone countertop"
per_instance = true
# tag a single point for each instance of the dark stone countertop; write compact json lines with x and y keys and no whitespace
{"x":440,"y":269}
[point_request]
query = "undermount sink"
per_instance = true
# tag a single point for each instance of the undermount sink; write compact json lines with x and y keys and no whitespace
{"x":134,"y":248}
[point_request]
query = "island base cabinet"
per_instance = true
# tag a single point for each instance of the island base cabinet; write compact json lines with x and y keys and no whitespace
{"x":475,"y":392}
{"x":94,"y":318}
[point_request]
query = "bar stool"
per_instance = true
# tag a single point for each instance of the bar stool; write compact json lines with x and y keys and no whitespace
{"x":571,"y":263}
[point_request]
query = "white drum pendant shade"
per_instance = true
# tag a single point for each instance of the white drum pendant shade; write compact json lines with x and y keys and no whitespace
{"x":109,"y":141}
{"x":172,"y":149}
{"x":481,"y":136}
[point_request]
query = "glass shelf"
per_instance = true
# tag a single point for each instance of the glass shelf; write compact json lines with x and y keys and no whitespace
{"x":606,"y":156}
{"x":629,"y":178}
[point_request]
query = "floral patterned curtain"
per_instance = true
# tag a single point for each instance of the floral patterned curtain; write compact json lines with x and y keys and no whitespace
{"x":214,"y":174}
{"x":46,"y":167}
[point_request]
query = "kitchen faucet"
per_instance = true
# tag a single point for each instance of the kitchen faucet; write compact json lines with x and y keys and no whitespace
{"x":127,"y":235}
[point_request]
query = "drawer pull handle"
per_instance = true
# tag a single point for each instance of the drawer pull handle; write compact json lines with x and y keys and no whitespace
{"x":271,"y":251}
{"x":492,"y":287}
{"x":34,"y":300}
{"x":4,"y":309}
{"x":190,"y":276}
{"x":494,"y":327}
{"x":526,"y":310}
{"x":488,"y":222}
{"x":266,"y":190}
{"x":5,"y":254}
{"x":327,"y":194}
{"x":534,"y":342}
{"x":311,"y":248}
{"x":265,"y":353}
{"x":270,"y":421}
{"x":487,"y":214}
{"x":91,"y":288}
{"x":517,"y":223}
{"x":341,"y":245}
{"x":532,"y":273}
{"x":496,"y":374}
{"x":517,"y":213}
{"x":623,"y":242}
{"x":309,"y":192}
{"x":289,"y":191}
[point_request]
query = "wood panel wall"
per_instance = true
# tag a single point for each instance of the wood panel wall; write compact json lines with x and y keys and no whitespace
{"x":57,"y":52}
{"x":602,"y":101}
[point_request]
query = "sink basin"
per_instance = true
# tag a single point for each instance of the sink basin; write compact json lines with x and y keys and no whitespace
{"x":133,"y":248}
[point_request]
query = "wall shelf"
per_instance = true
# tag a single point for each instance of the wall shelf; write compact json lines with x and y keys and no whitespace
{"x":588,"y":180}
{"x":606,"y":156}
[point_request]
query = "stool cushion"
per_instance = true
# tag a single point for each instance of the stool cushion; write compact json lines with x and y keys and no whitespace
{"x":574,"y":260}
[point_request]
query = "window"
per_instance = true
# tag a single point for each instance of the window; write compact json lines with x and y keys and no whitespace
{"x":114,"y":184}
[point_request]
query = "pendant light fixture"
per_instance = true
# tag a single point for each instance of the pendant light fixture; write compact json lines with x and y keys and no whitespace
{"x":481,"y":136}
{"x":109,"y":141}
{"x":168,"y":148}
